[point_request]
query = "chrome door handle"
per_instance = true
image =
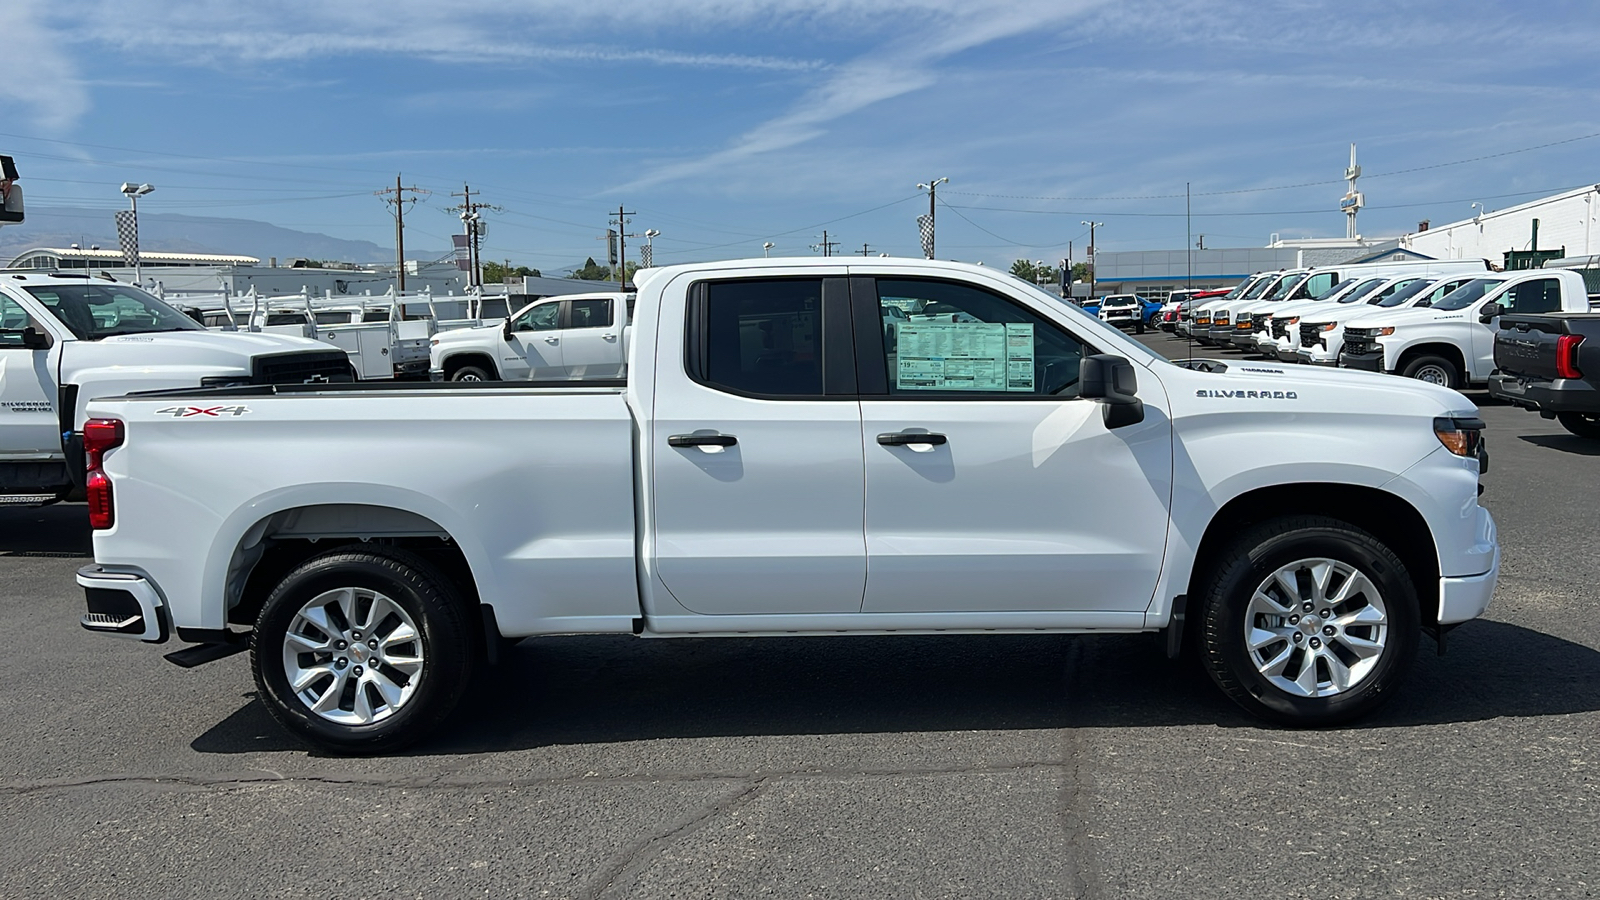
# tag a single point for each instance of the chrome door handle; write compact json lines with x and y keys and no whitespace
{"x":609,"y":337}
{"x":552,"y":340}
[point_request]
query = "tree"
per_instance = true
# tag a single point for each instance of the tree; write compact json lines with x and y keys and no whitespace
{"x":497,"y":273}
{"x":1080,"y":271}
{"x":593,"y":271}
{"x":1027,"y":271}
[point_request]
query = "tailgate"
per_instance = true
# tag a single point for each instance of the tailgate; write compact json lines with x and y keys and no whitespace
{"x":1526,"y":345}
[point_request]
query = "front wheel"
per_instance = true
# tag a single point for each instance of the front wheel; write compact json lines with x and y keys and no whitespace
{"x":1307,"y":620}
{"x":469,"y":373}
{"x":359,"y":652}
{"x":1434,"y":370}
{"x":1586,"y":425}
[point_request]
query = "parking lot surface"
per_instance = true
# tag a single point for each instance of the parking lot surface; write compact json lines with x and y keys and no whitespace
{"x":1009,"y":766}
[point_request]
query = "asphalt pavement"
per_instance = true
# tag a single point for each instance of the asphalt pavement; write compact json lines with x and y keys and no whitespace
{"x":1010,"y":766}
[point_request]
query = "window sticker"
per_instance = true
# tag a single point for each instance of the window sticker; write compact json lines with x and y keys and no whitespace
{"x":963,"y":356}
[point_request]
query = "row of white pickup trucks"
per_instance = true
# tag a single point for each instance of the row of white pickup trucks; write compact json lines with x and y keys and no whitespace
{"x":1431,"y":320}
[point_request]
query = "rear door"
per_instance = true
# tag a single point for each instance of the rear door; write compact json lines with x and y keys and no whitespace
{"x":1020,"y":498}
{"x":591,"y":340}
{"x":29,"y":426}
{"x":756,"y":448}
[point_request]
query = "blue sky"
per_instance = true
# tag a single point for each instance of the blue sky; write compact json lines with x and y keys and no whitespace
{"x":726,"y":124}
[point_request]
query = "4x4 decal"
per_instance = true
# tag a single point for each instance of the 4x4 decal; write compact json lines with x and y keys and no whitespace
{"x":189,"y":412}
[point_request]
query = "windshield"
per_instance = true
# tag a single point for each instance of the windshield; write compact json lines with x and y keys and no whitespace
{"x":1334,"y":291}
{"x":95,"y":311}
{"x":1361,"y":290}
{"x":1239,"y":288}
{"x":1260,"y":287}
{"x":1110,"y":333}
{"x":1398,"y":298}
{"x":1468,"y":294}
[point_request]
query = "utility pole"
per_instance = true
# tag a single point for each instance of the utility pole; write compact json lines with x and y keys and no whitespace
{"x":621,"y":222}
{"x":925,"y":224}
{"x":1092,"y":227}
{"x":865,"y":249}
{"x":396,"y":197}
{"x":475,"y":227}
{"x":826,"y":246}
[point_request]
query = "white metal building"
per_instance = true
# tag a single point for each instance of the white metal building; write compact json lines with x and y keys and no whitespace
{"x":1568,"y":222}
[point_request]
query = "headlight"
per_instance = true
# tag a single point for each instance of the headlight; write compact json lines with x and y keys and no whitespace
{"x":1293,"y":321}
{"x":433,"y":342}
{"x":1329,"y":326}
{"x":1388,"y":330}
{"x":1461,"y":435}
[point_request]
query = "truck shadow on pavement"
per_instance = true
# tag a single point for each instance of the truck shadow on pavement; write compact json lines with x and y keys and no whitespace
{"x":604,"y":689}
{"x":1567,"y":443}
{"x":58,"y":530}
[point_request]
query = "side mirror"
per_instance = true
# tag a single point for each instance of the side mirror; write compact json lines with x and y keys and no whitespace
{"x":1112,"y":381}
{"x":34,"y":339}
{"x":1489,"y":311}
{"x":505,"y":330}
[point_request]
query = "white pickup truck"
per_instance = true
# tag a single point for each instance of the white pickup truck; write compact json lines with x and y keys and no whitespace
{"x":571,"y":337}
{"x":65,"y":339}
{"x":1452,"y":342}
{"x":790,"y":457}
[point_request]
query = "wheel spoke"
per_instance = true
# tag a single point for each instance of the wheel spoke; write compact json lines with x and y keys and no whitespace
{"x":377,"y":612}
{"x":1366,"y":615}
{"x":1263,"y":637}
{"x":1274,"y":667}
{"x":1289,"y":582}
{"x":1263,"y":604}
{"x":393,"y":694}
{"x":307,"y":643}
{"x":363,"y":706}
{"x":402,"y":634}
{"x":1307,"y":677}
{"x":1337,"y":671}
{"x":1353,"y":586}
{"x":304,"y":678}
{"x":317,"y":615}
{"x":1361,"y":646}
{"x":1321,"y":574}
{"x":327,"y":705}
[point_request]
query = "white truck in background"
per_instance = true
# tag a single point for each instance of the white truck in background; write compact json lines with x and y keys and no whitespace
{"x":1451,"y":344}
{"x":790,"y":457}
{"x":1318,"y":335}
{"x":566,"y":337}
{"x":66,"y":339}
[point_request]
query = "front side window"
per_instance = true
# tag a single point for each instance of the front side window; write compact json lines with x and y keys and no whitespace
{"x":544,"y":317}
{"x":966,"y":341}
{"x":13,"y":319}
{"x":591,"y":313}
{"x":94,"y":311}
{"x":759,"y":337}
{"x":1439,"y":291}
{"x":1399,"y":297}
{"x":1316,"y":285}
{"x":1361,"y":290}
{"x":1285,"y":286}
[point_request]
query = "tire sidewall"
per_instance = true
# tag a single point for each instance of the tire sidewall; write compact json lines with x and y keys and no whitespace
{"x":462,"y":373}
{"x":444,"y":648}
{"x":1226,"y":653}
{"x":1585,"y":425}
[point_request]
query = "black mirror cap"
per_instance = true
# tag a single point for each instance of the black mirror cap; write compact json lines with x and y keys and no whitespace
{"x":1489,"y":311}
{"x":1109,"y":378}
{"x":34,"y":339}
{"x":506,"y":329}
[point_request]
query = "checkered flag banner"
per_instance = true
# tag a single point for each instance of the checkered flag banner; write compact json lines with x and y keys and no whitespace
{"x":128,"y":233}
{"x":644,"y":256}
{"x":925,"y":226}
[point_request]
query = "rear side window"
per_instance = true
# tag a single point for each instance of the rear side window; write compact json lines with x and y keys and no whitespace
{"x":759,"y":337}
{"x":590,"y":313}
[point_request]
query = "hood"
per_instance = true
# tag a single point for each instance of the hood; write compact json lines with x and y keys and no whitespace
{"x":1321,"y":389}
{"x":1414,"y":316}
{"x":474,"y":335}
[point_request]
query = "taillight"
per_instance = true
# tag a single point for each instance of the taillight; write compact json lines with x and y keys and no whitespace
{"x":99,"y":435}
{"x":1567,"y":356}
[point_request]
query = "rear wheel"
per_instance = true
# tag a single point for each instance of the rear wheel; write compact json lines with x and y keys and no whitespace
{"x":469,"y":373}
{"x":1581,"y":424}
{"x":1434,"y":370}
{"x":361,"y":652}
{"x":1307,"y":620}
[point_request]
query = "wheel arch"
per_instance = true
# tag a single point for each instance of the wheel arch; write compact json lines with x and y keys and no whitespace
{"x":279,"y":540}
{"x":1386,"y":516}
{"x":1435,"y":348}
{"x":469,"y":358}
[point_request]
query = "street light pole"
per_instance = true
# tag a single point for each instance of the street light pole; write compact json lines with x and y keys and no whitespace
{"x":931,"y":187}
{"x":134,"y":192}
{"x":766,"y":249}
{"x":1092,"y":261}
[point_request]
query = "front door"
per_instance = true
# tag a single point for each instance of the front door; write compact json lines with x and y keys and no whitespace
{"x":29,"y":426}
{"x":1538,"y":295}
{"x":533,"y":351}
{"x":756,"y":443}
{"x":1020,"y":498}
{"x":591,"y":342}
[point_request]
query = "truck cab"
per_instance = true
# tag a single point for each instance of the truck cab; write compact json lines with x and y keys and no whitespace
{"x":571,"y":337}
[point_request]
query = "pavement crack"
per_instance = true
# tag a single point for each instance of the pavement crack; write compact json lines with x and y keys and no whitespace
{"x":633,"y":859}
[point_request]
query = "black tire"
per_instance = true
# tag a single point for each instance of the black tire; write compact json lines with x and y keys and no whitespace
{"x":1584,"y":425}
{"x":1424,"y":368}
{"x":1256,"y":556}
{"x":446,"y":646}
{"x":470,"y":373}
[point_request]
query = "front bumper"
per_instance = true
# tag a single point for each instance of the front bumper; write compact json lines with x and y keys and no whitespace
{"x":1371,"y":361}
{"x":1467,"y":597}
{"x":1547,"y":397}
{"x":123,"y":604}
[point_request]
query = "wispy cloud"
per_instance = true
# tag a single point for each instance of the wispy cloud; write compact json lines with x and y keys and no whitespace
{"x":35,"y":73}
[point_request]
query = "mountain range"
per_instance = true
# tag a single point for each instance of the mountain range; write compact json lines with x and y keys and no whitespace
{"x":177,"y":233}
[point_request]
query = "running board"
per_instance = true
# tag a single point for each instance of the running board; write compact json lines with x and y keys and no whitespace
{"x":200,"y":654}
